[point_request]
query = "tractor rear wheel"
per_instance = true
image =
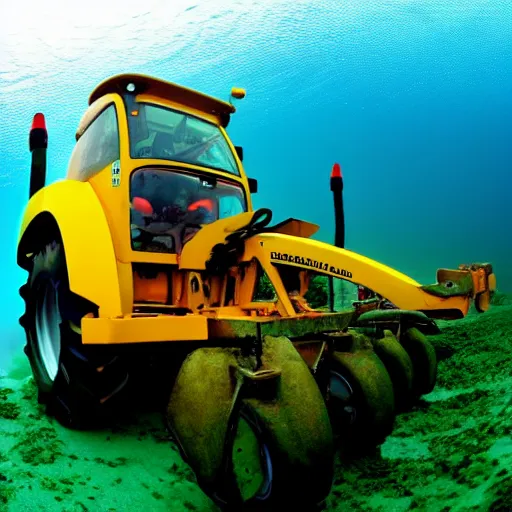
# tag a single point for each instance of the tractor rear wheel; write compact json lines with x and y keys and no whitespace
{"x":79,"y":384}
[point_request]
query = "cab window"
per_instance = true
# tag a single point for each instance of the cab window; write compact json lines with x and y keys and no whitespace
{"x":167,"y":134}
{"x":97,"y":148}
{"x":169,"y":207}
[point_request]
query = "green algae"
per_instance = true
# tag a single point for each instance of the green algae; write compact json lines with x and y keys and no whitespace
{"x":501,"y":299}
{"x":39,"y":445}
{"x":29,"y":390}
{"x":48,"y":484}
{"x":8,"y":410}
{"x":461,"y":285}
{"x":499,"y":495}
{"x":5,"y":392}
{"x":118,"y":461}
{"x":58,"y":485}
{"x":478,"y":348}
{"x":7,"y":492}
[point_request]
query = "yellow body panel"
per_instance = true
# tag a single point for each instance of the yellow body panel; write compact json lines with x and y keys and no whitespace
{"x":139,"y":329}
{"x":90,"y":256}
{"x":296,"y":227}
{"x":163,"y":89}
{"x":197,"y":250}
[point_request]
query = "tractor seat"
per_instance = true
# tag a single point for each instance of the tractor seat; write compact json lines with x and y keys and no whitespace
{"x":163,"y":145}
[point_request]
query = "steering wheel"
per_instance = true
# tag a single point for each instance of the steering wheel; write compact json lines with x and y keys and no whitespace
{"x":147,"y":234}
{"x":144,"y":152}
{"x":259,"y":220}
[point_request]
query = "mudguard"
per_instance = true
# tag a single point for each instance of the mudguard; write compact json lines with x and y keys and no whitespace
{"x":292,"y":412}
{"x":90,"y":256}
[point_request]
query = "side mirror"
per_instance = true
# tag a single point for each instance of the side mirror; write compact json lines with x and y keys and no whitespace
{"x":253,"y":185}
{"x":240,"y":152}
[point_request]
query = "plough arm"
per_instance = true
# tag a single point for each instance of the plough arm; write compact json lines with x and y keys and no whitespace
{"x":450,"y":297}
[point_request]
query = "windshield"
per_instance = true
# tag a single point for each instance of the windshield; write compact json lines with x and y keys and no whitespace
{"x":163,"y":133}
{"x":169,"y":207}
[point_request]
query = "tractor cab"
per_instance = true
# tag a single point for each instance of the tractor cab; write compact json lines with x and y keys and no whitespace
{"x":169,"y":205}
{"x":158,"y":156}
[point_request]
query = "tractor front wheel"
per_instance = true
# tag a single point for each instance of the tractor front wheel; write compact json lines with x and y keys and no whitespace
{"x":78,"y":383}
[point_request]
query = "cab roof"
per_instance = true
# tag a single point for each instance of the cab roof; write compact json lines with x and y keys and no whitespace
{"x":166,"y":90}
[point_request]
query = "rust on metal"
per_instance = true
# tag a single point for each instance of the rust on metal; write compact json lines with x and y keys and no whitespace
{"x":295,"y":327}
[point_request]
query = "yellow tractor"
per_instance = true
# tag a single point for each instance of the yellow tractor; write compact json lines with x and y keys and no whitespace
{"x":146,"y":267}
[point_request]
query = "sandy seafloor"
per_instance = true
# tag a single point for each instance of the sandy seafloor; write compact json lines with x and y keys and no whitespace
{"x":452,"y":452}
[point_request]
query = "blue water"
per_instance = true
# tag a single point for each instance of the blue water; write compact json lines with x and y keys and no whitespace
{"x":412,"y":98}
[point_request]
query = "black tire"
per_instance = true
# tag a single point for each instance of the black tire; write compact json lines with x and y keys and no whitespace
{"x":424,"y":360}
{"x":233,"y":494}
{"x":360,"y":401}
{"x":80,"y":385}
{"x":280,"y":484}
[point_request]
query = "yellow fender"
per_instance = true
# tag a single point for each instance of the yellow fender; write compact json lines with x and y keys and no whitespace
{"x":85,"y":233}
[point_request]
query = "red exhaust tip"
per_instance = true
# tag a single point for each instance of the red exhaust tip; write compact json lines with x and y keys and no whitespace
{"x":38,"y":122}
{"x":336,"y":171}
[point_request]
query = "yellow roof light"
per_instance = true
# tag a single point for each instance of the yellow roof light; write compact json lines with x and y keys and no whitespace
{"x":238,"y":93}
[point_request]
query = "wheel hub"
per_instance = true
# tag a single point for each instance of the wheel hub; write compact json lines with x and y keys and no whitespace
{"x":341,"y":399}
{"x":252,"y":465}
{"x":47,"y":327}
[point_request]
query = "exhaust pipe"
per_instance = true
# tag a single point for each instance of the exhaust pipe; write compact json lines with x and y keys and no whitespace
{"x":339,"y":220}
{"x":38,"y":144}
